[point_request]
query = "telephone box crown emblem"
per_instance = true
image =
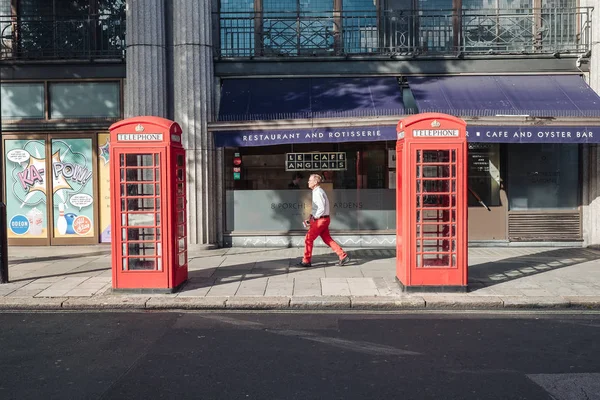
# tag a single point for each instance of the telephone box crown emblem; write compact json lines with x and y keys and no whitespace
{"x":139,"y":128}
{"x":435,"y":123}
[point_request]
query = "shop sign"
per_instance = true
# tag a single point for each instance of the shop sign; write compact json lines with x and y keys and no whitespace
{"x":475,"y":133}
{"x":333,"y":161}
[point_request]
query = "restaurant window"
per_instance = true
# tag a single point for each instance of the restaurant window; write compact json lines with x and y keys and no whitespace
{"x":484,"y":174}
{"x":542,"y":176}
{"x":264,"y":194}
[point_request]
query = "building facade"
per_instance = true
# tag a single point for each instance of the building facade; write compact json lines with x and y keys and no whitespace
{"x":268,"y":92}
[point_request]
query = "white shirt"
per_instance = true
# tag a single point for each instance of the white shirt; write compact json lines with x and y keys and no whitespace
{"x":320,"y":202}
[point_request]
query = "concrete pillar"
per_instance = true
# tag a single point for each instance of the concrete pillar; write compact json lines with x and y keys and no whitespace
{"x":193,"y":97}
{"x":591,"y":195}
{"x":146,"y":85}
{"x":591,"y":152}
{"x":594,"y":80}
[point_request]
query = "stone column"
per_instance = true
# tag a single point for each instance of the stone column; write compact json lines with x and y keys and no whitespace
{"x":146,"y":85}
{"x":591,"y":152}
{"x":193,"y":97}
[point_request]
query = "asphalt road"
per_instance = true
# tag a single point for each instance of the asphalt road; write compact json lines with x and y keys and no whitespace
{"x":175,"y":355}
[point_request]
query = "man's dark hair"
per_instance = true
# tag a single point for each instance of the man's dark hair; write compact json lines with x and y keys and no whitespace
{"x":298,"y":175}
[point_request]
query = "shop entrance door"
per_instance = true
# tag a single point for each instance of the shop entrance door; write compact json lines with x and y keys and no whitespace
{"x":50,"y":189}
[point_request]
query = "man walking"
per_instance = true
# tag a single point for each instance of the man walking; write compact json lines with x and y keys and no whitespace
{"x":319,"y":224}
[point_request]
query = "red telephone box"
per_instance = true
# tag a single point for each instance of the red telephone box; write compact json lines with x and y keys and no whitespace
{"x":431,"y":203}
{"x":148,"y":202}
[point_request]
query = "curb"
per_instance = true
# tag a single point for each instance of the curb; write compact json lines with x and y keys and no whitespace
{"x":376,"y":303}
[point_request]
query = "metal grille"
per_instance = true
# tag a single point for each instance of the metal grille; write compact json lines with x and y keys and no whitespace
{"x":531,"y":226}
{"x":311,"y":31}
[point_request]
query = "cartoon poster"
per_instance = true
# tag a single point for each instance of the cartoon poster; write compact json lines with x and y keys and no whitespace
{"x":26,"y":189}
{"x":73,"y":187}
{"x":104,"y":186}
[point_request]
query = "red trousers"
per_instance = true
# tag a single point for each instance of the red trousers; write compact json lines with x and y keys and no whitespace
{"x":320,"y":227}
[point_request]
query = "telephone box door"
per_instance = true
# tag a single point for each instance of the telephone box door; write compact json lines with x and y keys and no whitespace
{"x":141,"y":176}
{"x":435,"y":185}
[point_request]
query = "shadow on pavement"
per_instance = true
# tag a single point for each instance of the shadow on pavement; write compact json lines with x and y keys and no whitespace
{"x":504,"y":270}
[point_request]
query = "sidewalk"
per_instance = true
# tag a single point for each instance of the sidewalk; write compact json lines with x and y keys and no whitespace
{"x":79,"y":277}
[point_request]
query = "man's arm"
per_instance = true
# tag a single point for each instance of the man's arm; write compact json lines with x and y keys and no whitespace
{"x":319,"y":200}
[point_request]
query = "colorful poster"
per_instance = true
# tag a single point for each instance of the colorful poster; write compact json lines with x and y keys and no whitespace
{"x":104,"y":186}
{"x":73,"y":188}
{"x":26,"y":189}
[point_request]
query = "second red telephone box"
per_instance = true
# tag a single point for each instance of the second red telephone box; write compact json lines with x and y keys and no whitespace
{"x":148,"y":202}
{"x":431,"y":203}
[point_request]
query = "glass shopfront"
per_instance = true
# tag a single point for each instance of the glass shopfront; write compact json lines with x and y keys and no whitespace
{"x":266,"y":186}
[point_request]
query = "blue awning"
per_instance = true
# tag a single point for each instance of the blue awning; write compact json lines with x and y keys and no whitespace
{"x":307,"y":98}
{"x":533,"y":95}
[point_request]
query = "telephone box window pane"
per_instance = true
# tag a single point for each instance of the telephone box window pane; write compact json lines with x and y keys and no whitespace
{"x":180,"y":217}
{"x":140,"y":189}
{"x":180,"y":175}
{"x":139,"y":160}
{"x":157,"y":159}
{"x":140,"y":219}
{"x":124,"y":264}
{"x":140,"y":204}
{"x":141,"y":249}
{"x":141,"y":234}
{"x":181,"y":230}
{"x":157,"y":175}
{"x":180,"y":161}
{"x":436,"y":186}
{"x":180,"y":189}
{"x":122,"y":160}
{"x":182,"y":258}
{"x":180,"y":203}
{"x":181,"y":244}
{"x":436,"y":156}
{"x":22,"y":100}
{"x":438,"y":171}
{"x":84,"y":100}
{"x":142,"y":264}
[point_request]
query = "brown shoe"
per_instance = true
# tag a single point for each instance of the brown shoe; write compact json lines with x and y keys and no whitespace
{"x":345,"y":260}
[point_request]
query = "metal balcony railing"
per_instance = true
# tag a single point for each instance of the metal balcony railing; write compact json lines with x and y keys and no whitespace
{"x":99,"y":36}
{"x":423,"y":32}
